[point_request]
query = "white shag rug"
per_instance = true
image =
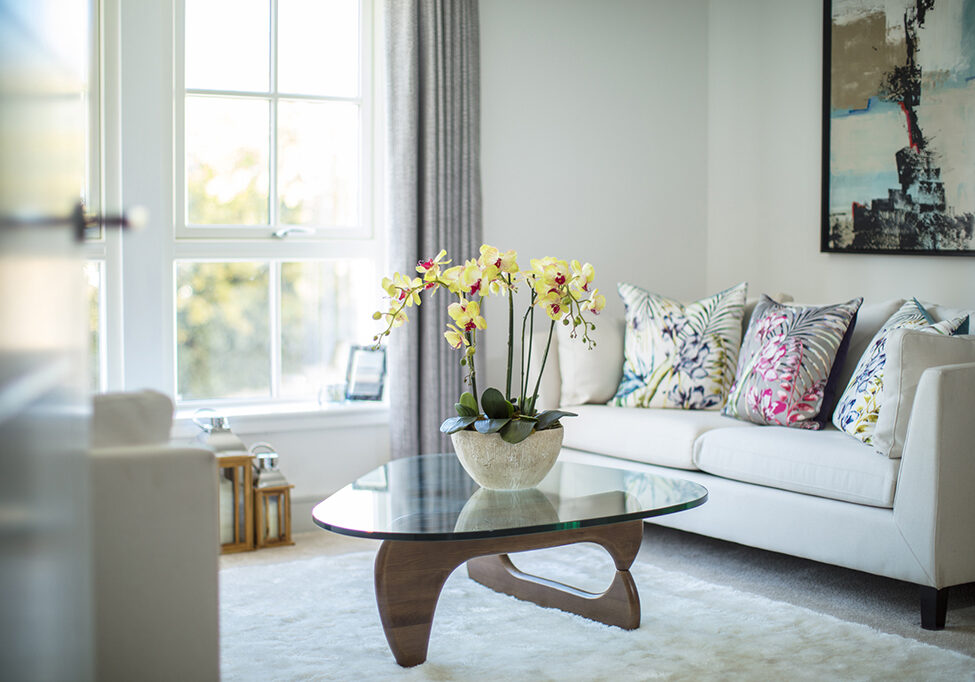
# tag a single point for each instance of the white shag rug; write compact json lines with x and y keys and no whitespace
{"x":316,"y":619}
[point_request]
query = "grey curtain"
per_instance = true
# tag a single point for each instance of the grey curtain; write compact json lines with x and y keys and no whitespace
{"x":433,"y":137}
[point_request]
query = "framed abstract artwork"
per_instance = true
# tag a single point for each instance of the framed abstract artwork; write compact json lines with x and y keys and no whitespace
{"x":899,"y":127}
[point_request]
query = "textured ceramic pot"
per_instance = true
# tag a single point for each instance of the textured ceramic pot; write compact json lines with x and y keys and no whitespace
{"x":499,"y":465}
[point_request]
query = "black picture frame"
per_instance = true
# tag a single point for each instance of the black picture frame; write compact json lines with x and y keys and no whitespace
{"x":366,"y":373}
{"x":915,"y":205}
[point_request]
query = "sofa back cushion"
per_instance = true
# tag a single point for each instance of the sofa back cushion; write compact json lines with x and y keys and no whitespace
{"x":909,"y":353}
{"x":591,"y":375}
{"x":135,"y":418}
{"x":786,"y":362}
{"x":857,"y":410}
{"x":679,"y":355}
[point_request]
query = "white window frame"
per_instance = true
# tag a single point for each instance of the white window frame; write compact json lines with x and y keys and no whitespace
{"x":364,"y":99}
{"x":150,"y":56}
{"x":104,"y":187}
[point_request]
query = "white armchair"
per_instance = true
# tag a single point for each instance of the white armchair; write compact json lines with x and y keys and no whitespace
{"x":155,"y":545}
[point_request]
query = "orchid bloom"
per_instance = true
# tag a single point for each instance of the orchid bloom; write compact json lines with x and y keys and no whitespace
{"x":402,"y":288}
{"x":467,"y":315}
{"x":596,"y":302}
{"x":430,"y":268}
{"x":582,"y":278}
{"x":455,"y":337}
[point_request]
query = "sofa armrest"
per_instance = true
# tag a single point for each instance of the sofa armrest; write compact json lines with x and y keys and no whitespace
{"x":933,"y":504}
{"x":155,"y":552}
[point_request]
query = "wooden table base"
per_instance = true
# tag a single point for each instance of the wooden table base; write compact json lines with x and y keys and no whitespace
{"x":410,"y":576}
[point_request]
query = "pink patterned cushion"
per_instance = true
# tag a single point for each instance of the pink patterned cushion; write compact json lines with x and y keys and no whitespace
{"x":786,"y":360}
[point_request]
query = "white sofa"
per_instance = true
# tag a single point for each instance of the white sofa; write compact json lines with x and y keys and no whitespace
{"x":155,"y":545}
{"x":822,"y":495}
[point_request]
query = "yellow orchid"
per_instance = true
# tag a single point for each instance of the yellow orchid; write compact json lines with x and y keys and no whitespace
{"x":505,"y":262}
{"x":430,"y":268}
{"x":563,"y":290}
{"x":467,"y":315}
{"x":455,"y":337}
{"x":582,"y":277}
{"x":596,"y":302}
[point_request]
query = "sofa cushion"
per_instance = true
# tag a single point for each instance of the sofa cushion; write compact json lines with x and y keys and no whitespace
{"x":657,"y":436}
{"x":591,"y":375}
{"x":135,"y":418}
{"x":676,"y":354}
{"x":909,"y":353}
{"x":825,"y":463}
{"x":786,"y":362}
{"x":858,"y":407}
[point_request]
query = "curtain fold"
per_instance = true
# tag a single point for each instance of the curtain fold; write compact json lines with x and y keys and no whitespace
{"x":433,"y":160}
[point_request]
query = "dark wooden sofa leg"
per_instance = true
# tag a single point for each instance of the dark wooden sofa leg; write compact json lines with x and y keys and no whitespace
{"x":934,"y":607}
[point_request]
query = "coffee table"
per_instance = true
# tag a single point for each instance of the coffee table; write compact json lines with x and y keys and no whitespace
{"x":432,"y":518}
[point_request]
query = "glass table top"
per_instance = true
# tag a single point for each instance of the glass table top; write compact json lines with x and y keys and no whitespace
{"x":431,"y":497}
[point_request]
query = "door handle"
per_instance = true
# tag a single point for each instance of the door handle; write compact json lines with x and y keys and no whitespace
{"x":135,"y":219}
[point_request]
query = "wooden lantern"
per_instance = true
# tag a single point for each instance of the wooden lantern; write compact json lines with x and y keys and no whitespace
{"x":273,"y":505}
{"x":235,"y":476}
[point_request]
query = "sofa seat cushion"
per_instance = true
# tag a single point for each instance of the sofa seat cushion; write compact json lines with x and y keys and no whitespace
{"x":656,"y":436}
{"x":825,"y":463}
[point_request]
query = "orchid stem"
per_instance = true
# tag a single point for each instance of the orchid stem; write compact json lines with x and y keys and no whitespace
{"x":511,"y":338}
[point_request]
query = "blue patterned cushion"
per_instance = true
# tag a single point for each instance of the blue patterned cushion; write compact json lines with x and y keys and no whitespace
{"x":857,"y":410}
{"x":679,"y":355}
{"x":786,"y":360}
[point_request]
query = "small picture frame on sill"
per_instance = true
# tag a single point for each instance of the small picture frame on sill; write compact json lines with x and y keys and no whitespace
{"x":366,"y":374}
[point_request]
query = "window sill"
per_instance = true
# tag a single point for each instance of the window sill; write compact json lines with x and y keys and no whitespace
{"x":256,"y":419}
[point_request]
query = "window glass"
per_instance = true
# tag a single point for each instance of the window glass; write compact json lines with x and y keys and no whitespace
{"x":227,"y":44}
{"x":318,"y":163}
{"x":322,"y":304}
{"x":227,"y":142}
{"x":223,"y":333}
{"x":318,"y":47}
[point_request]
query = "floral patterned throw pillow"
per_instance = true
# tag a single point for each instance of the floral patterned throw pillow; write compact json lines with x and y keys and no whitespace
{"x":858,"y":407}
{"x":679,"y":355}
{"x":786,"y":360}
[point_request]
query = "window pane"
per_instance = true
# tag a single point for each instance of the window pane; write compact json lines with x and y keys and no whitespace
{"x":326,"y":307}
{"x":223,"y":335}
{"x":318,"y":47}
{"x":93,"y":277}
{"x":227,"y":143}
{"x":318,"y":163}
{"x":227,"y":44}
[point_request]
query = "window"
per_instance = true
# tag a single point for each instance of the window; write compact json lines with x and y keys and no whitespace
{"x":273,"y":143}
{"x":258,"y":270}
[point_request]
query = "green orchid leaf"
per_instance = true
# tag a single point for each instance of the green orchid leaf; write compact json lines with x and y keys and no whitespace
{"x":464,"y":410}
{"x":490,"y":425}
{"x":548,"y":418}
{"x":494,"y":404}
{"x":468,"y":400}
{"x":454,"y":424}
{"x":517,"y":430}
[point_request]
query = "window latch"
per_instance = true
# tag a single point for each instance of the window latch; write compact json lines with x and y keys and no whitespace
{"x":293,"y":231}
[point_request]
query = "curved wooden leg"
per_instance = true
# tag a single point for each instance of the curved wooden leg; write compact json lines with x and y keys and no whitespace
{"x":410,"y":575}
{"x":619,"y":605}
{"x":409,"y":579}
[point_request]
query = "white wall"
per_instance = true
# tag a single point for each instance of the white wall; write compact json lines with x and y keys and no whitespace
{"x":764,"y":165}
{"x":593,"y":140}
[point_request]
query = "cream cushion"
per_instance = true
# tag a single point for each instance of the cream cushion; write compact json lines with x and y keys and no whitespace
{"x":136,"y":418}
{"x":825,"y":463}
{"x":658,"y":436}
{"x":591,"y":375}
{"x":909,"y":353}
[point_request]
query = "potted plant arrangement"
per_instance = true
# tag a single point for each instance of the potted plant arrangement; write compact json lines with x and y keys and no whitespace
{"x":500,"y":438}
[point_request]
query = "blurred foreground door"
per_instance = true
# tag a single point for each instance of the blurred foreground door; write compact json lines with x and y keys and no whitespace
{"x":45,"y":596}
